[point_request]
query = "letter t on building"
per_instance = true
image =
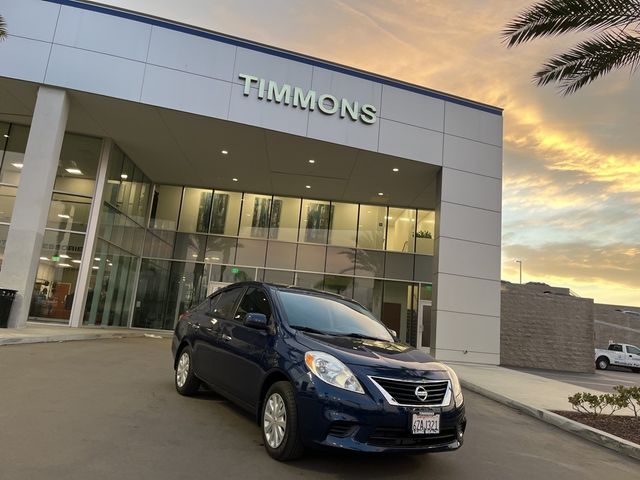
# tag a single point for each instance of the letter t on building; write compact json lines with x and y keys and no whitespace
{"x":248,"y":79}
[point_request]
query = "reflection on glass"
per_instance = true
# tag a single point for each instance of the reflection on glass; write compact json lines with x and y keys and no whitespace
{"x":159,"y":243}
{"x":255,"y":215}
{"x":371,"y":226}
{"x":114,"y":180}
{"x":340,"y":260}
{"x":398,"y":266}
{"x":368,"y":292}
{"x":189,"y":247}
{"x":13,"y":158}
{"x":220,"y":250}
{"x":7,"y":201}
{"x":309,"y":280}
{"x":278,"y":276}
{"x":423,"y":269}
{"x":369,"y":263}
{"x":231,"y":274}
{"x":55,"y":286}
{"x":339,"y":284}
{"x":196,"y":210}
{"x":311,"y":258}
{"x":399,"y":309}
{"x":165,"y":207}
{"x":401,"y":225}
{"x":78,"y":165}
{"x":4,"y":231}
{"x":344,"y":224}
{"x":225,"y":213}
{"x":424,"y":231}
{"x":314,"y":221}
{"x":426,"y":291}
{"x":285,"y":216}
{"x":281,"y":255}
{"x":69,"y":212}
{"x":251,"y":252}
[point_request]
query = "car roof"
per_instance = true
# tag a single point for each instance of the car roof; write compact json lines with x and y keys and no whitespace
{"x":285,"y":287}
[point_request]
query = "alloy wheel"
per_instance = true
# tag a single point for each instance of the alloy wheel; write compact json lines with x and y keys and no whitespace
{"x":183,"y":370}
{"x":275,"y":420}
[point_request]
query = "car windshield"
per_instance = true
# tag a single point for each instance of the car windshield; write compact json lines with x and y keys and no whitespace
{"x":332,"y":316}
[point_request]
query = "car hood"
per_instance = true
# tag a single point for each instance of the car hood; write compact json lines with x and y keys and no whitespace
{"x":372,"y":353}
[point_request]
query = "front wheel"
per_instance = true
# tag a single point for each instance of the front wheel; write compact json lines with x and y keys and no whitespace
{"x":602,"y":363}
{"x":186,"y":381}
{"x":280,"y":431}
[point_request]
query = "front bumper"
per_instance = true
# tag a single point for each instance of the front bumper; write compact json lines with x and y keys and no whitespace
{"x":333,"y":417}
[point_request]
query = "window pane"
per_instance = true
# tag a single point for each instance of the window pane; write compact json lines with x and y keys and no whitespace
{"x":368,"y":292}
{"x":309,"y":280}
{"x":69,"y":212}
{"x":159,"y":243}
{"x":196,"y":210}
{"x":78,"y":164}
{"x":226,"y":302}
{"x":251,"y":252}
{"x":315,"y":219}
{"x":426,"y":291}
{"x":14,"y":154}
{"x":285,"y":216}
{"x":401,"y":225}
{"x":114,"y":180}
{"x":7,"y":201}
{"x":344,"y":224}
{"x":152,"y":302}
{"x":4,"y":231}
{"x":225,"y":214}
{"x":424,"y":234}
{"x":278,"y":276}
{"x":399,"y":309}
{"x":339,"y":284}
{"x":340,"y":260}
{"x":189,"y":247}
{"x":399,"y":266}
{"x":281,"y":255}
{"x":166,"y":203}
{"x":254,"y":301}
{"x":311,"y":258}
{"x":220,"y":250}
{"x":231,"y":274}
{"x":55,"y":285}
{"x":369,"y":263}
{"x":371,"y":226}
{"x":423,"y":270}
{"x":125,"y":192}
{"x":255,"y":215}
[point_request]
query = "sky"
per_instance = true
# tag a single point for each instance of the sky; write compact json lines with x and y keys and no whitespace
{"x":571,"y":187}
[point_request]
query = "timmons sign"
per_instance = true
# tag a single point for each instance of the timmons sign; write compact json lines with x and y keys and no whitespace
{"x":309,"y":99}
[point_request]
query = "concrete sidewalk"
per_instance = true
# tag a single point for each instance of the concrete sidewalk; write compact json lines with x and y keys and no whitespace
{"x":537,"y":396}
{"x":43,"y":333}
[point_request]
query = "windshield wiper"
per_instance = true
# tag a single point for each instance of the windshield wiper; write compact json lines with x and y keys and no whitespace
{"x":362,"y":335}
{"x":302,"y":328}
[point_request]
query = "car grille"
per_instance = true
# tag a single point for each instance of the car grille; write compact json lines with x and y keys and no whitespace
{"x":404,"y":392}
{"x":341,"y":429}
{"x":398,"y":437}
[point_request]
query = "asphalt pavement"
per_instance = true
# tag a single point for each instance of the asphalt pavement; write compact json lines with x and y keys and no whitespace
{"x":601,"y":380}
{"x":107,"y":409}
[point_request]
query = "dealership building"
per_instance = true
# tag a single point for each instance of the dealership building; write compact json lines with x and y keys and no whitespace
{"x":145,"y":163}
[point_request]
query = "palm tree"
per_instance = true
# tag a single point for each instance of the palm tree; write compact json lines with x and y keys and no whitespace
{"x":615,"y":43}
{"x":3,"y":28}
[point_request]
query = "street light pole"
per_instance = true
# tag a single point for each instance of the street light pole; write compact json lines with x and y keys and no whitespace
{"x":520,"y":262}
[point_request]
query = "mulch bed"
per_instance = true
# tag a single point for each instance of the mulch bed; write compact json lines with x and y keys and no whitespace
{"x":618,"y":425}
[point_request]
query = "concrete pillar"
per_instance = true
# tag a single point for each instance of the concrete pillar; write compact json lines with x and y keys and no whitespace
{"x":24,"y":240}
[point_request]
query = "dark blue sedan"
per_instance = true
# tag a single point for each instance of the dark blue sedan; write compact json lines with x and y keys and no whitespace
{"x":317,"y":370}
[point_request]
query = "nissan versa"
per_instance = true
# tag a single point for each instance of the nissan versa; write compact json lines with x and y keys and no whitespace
{"x":317,"y":370}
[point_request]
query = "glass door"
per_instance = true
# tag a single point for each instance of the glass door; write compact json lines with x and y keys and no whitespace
{"x":424,"y":324}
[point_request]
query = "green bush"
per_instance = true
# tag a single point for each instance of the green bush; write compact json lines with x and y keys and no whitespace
{"x":593,"y":404}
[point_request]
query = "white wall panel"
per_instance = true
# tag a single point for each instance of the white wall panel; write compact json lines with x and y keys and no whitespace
{"x":471,"y":259}
{"x":481,"y":333}
{"x":345,"y":86}
{"x":467,"y":295}
{"x":261,"y":113}
{"x":103,"y":33}
{"x":186,"y":92}
{"x":30,"y":18}
{"x":407,"y":141}
{"x":475,"y":124}
{"x":270,"y":67}
{"x":24,"y":58}
{"x":468,"y":223}
{"x":95,"y":73}
{"x":192,"y":54}
{"x":412,"y":108}
{"x":470,"y":357}
{"x":471,"y":190}
{"x":344,"y":131}
{"x":471,"y":156}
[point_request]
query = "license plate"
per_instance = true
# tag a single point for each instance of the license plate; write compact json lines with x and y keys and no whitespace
{"x":425,"y":423}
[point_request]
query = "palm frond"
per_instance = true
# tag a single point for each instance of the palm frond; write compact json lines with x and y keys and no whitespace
{"x":554,"y":17}
{"x":591,"y":59}
{"x":3,"y":28}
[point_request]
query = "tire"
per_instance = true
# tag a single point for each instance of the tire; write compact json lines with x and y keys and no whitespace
{"x":636,"y":370}
{"x":281,"y":435}
{"x":185,"y":380}
{"x":602,"y":363}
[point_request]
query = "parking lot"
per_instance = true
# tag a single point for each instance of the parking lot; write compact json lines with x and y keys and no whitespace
{"x":602,"y":380}
{"x":107,"y":409}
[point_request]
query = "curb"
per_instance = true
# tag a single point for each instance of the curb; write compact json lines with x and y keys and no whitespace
{"x":594,"y":435}
{"x":68,"y":338}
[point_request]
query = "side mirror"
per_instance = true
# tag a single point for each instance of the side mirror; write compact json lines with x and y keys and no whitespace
{"x":256,"y":320}
{"x":393,"y":333}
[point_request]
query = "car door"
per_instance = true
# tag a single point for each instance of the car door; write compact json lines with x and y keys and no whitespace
{"x":616,"y":354}
{"x":207,"y":352}
{"x":244,"y":348}
{"x":633,"y":356}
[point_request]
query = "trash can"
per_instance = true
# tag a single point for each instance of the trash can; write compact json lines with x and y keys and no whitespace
{"x":6,"y":300}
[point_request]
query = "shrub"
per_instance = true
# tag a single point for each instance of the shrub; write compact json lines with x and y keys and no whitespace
{"x":593,"y":404}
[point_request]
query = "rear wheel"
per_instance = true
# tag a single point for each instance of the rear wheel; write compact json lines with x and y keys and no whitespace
{"x":602,"y":363}
{"x":279,"y":423}
{"x":186,"y":381}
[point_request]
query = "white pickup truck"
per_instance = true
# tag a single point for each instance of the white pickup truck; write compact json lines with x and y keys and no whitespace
{"x":620,"y":355}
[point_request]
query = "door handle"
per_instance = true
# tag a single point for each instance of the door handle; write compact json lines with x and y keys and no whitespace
{"x":226,"y":337}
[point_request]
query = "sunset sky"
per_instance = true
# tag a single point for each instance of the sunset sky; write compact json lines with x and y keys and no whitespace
{"x":571,"y":190}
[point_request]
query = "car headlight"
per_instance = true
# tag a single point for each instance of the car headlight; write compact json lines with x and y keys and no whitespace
{"x":332,"y":371}
{"x":455,"y":386}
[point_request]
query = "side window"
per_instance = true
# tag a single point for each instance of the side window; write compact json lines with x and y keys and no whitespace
{"x":633,"y":350}
{"x":615,"y":347}
{"x":225,"y":303}
{"x":254,"y":301}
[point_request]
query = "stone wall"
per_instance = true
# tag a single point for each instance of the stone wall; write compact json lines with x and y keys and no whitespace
{"x":614,"y":323}
{"x":543,"y":327}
